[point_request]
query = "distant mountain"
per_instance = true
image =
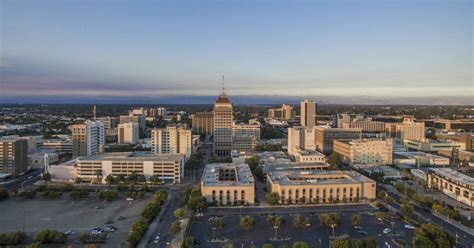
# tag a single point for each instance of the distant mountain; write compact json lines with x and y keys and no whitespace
{"x":239,"y":100}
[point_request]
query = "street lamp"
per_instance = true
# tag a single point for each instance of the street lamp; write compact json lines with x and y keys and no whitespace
{"x":333,"y":233}
{"x":213,"y":233}
{"x":320,"y":244}
{"x":393,"y":223}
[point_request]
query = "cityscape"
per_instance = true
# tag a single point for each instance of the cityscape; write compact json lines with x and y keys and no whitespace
{"x":100,"y":149}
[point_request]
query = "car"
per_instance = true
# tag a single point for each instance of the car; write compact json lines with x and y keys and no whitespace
{"x":157,"y":239}
{"x":69,"y":232}
{"x":129,"y":199}
{"x":96,"y":232}
{"x":358,"y":227}
{"x":99,"y":207}
{"x":362,"y":232}
{"x":121,"y":217}
{"x":387,"y":230}
{"x":110,"y":229}
{"x":109,"y":222}
{"x":409,"y":226}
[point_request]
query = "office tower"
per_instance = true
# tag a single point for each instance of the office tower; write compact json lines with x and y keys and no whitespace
{"x":286,"y":112}
{"x":109,"y":122}
{"x":171,"y":140}
{"x":407,"y":130}
{"x":345,"y":120}
{"x":325,"y":136}
{"x":87,"y":139}
{"x":128,"y":133}
{"x":223,"y":120}
{"x":203,"y":122}
{"x":139,"y":119}
{"x":365,"y":151}
{"x":13,"y":156}
{"x":308,"y":113}
{"x":246,"y":130}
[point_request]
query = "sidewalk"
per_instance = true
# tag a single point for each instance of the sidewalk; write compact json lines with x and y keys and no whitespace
{"x":149,"y":233}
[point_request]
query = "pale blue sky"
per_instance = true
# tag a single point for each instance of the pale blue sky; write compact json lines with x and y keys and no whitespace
{"x":95,"y":47}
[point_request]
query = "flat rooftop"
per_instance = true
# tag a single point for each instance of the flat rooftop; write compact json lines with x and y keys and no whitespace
{"x":132,"y":156}
{"x":454,"y":175}
{"x":415,"y":155}
{"x":224,"y":174}
{"x":293,"y":166}
{"x":317,"y":177}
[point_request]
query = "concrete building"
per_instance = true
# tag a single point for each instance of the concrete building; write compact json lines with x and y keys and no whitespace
{"x":128,"y":133}
{"x":320,"y":186}
{"x":345,"y":120}
{"x":246,"y":130}
{"x":244,"y":143}
{"x":325,"y":136}
{"x":301,"y":138}
{"x":59,"y":146}
{"x":109,"y":122}
{"x":466,"y":125}
{"x":428,"y":145}
{"x":87,"y":139}
{"x":222,"y":122}
{"x":309,"y":156}
{"x":308,"y":113}
{"x":454,"y":184}
{"x":139,"y":119}
{"x":419,"y":159}
{"x":407,"y":130}
{"x":292,"y":166}
{"x":13,"y":156}
{"x":37,"y":159}
{"x":203,"y":122}
{"x":286,"y":112}
{"x":172,"y":140}
{"x":369,"y":126}
{"x":228,"y":184}
{"x":365,"y":151}
{"x":466,"y":138}
{"x":169,"y":167}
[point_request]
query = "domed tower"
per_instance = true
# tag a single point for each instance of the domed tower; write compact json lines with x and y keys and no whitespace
{"x":223,"y":119}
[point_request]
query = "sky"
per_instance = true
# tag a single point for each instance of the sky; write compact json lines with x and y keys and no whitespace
{"x":313,"y":48}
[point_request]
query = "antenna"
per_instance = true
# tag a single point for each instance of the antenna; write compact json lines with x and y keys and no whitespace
{"x":95,"y":112}
{"x":223,"y":88}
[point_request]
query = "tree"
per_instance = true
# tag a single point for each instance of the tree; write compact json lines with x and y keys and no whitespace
{"x":407,"y":209}
{"x":267,"y":245}
{"x":276,"y":221}
{"x":273,"y":198}
{"x":3,"y":194}
{"x":356,"y":219}
{"x":300,"y":244}
{"x":300,"y":221}
{"x":217,"y":223}
{"x":154,"y":179}
{"x":12,"y":238}
{"x":340,"y":243}
{"x":47,"y":236}
{"x":46,"y":178}
{"x":247,"y":222}
{"x":188,"y":242}
{"x":400,"y":188}
{"x":334,"y":159}
{"x":110,"y":179}
{"x":382,"y":216}
{"x":179,"y":213}
{"x":331,"y":220}
{"x":175,"y":227}
{"x":78,"y":180}
{"x":98,"y":174}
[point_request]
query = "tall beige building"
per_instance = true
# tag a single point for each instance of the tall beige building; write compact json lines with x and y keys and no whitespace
{"x":407,"y":130}
{"x":325,"y":136}
{"x":308,"y":113}
{"x":172,"y":140}
{"x":14,"y":156}
{"x":203,"y":122}
{"x":300,"y":138}
{"x":87,"y":139}
{"x":128,"y":133}
{"x":365,"y":151}
{"x":223,"y":121}
{"x":139,"y":119}
{"x":286,"y":112}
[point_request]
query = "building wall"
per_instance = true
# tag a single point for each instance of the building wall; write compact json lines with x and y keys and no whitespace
{"x":366,"y":151}
{"x":128,"y":133}
{"x":452,"y":188}
{"x":229,"y":195}
{"x":223,"y":121}
{"x":308,"y":113}
{"x":14,"y":156}
{"x":246,"y":130}
{"x":171,"y":140}
{"x":324,"y":137}
{"x":87,"y":138}
{"x":203,"y":122}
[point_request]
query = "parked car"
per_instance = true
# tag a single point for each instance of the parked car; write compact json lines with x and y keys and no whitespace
{"x":99,"y":207}
{"x":110,"y":229}
{"x":97,"y":231}
{"x":121,"y":217}
{"x":69,"y":232}
{"x":362,"y":232}
{"x":358,"y":227}
{"x":386,"y":230}
{"x":409,"y":226}
{"x":157,"y":239}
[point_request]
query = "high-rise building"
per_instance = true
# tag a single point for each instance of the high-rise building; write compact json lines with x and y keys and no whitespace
{"x":308,"y":113}
{"x":88,"y":138}
{"x":203,"y":122}
{"x":345,"y":120}
{"x":246,"y":129}
{"x":223,"y":121}
{"x":128,"y":133}
{"x":300,"y":138}
{"x":157,"y":112}
{"x":13,"y":156}
{"x":139,"y":119}
{"x":109,"y":122}
{"x":365,"y":151}
{"x":325,"y":136}
{"x":407,"y":130}
{"x":171,"y":140}
{"x":286,"y":112}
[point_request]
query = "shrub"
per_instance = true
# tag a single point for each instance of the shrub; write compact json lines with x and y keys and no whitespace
{"x":87,"y":238}
{"x":108,"y":195}
{"x":175,"y":227}
{"x":27,"y":194}
{"x":49,"y":237}
{"x":12,"y":238}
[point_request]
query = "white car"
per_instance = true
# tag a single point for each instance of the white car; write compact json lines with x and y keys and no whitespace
{"x":69,"y":232}
{"x":157,"y":239}
{"x":386,"y":230}
{"x":408,"y":226}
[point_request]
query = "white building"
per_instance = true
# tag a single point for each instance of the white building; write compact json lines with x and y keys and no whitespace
{"x":172,"y":140}
{"x":128,"y":133}
{"x":365,"y":151}
{"x":306,"y":156}
{"x":37,"y":159}
{"x":88,"y":138}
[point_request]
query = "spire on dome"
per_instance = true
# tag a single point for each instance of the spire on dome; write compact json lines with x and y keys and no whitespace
{"x":223,"y":88}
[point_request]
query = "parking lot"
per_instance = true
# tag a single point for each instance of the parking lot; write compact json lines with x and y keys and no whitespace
{"x":77,"y":215}
{"x":262,"y":231}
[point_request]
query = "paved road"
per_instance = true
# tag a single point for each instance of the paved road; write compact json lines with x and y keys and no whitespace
{"x":464,"y":239}
{"x":287,"y":209}
{"x":23,"y":181}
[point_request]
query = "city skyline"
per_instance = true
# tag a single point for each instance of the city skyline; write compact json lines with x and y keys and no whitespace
{"x":162,"y":48}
